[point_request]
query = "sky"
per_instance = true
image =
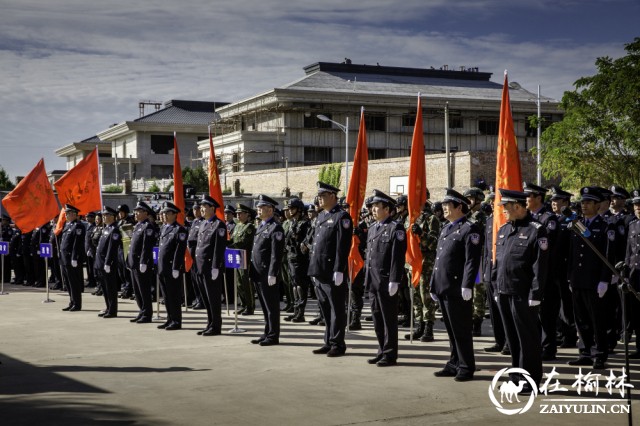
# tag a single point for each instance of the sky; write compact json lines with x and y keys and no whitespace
{"x":71,"y":68}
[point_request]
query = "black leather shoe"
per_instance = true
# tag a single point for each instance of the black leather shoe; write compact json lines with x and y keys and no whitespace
{"x":374,"y":360}
{"x":463,"y":378}
{"x":245,"y":313}
{"x":201,"y":332}
{"x":143,"y":320}
{"x":386,"y":362}
{"x":322,"y":323}
{"x":289,"y":318}
{"x":548,"y":357}
{"x":109,"y":316}
{"x":445,"y":373}
{"x":211,"y":333}
{"x":68,"y":308}
{"x":505,"y":350}
{"x":134,"y":319}
{"x":321,"y":351}
{"x":258,"y":341}
{"x":598,"y":364}
{"x":315,"y":321}
{"x":583,"y":360}
{"x":335,"y":352}
{"x":101,"y":314}
{"x":162,"y":326}
{"x":75,"y":309}
{"x":173,"y":326}
{"x":269,"y":342}
{"x":298,"y":319}
{"x":198,"y":306}
{"x":494,"y":348}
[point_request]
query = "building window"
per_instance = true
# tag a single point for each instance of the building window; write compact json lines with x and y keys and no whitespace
{"x":377,"y":153}
{"x":408,"y":120}
{"x":161,"y":144}
{"x":313,"y":122}
{"x":376,"y":122}
{"x":488,"y":126}
{"x":455,"y":120}
{"x":235,"y":162}
{"x":161,"y":172}
{"x":316,"y":155}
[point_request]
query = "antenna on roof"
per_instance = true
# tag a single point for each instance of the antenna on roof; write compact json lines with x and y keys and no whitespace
{"x":141,"y":105}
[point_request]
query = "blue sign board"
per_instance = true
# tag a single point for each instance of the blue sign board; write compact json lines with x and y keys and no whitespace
{"x":156,"y":250}
{"x":235,"y":259}
{"x":46,"y":250}
{"x":4,"y":247}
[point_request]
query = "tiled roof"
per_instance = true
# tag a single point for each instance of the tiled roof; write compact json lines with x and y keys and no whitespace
{"x":92,"y":139}
{"x":183,"y":112}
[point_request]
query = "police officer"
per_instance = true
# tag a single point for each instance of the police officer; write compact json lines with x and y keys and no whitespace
{"x":124,"y":220}
{"x":632,"y":261}
{"x":229,"y":214}
{"x":454,"y":273}
{"x":106,"y":261}
{"x":72,"y":254}
{"x":357,"y":285}
{"x":15,"y":250}
{"x":266,"y":261}
{"x":242,"y":239}
{"x":172,"y":247}
{"x":328,"y":266}
{"x":90,"y":224}
{"x":140,"y":262}
{"x":519,"y":273}
{"x":7,"y":234}
{"x":297,"y":261}
{"x":479,"y":217}
{"x":384,"y":269}
{"x":212,"y":242}
{"x":192,"y":241}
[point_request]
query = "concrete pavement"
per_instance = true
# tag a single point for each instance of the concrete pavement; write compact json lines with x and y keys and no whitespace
{"x":75,"y":368}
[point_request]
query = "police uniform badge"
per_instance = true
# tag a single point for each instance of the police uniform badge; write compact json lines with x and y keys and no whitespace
{"x":551,"y":225}
{"x":182,"y":236}
{"x":79,"y":231}
{"x":621,"y":229}
{"x":278,"y":236}
{"x":346,"y":223}
{"x":400,"y":235}
{"x":475,"y":238}
{"x":611,"y":234}
{"x":221,"y":232}
{"x":149,"y":232}
{"x":543,"y":243}
{"x":116,"y":235}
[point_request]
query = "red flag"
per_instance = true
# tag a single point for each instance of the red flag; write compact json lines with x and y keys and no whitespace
{"x":31,"y":203}
{"x":215,"y":191}
{"x":417,"y":195}
{"x":62,"y":219}
{"x":508,"y":172}
{"x":356,"y":194}
{"x":80,"y":186}
{"x":178,"y":196}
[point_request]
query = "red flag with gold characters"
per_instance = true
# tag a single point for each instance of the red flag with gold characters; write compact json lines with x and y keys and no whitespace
{"x":508,"y":172}
{"x":80,"y":186}
{"x":417,"y":195}
{"x":215,"y":190}
{"x":178,"y":196}
{"x":32,"y":203}
{"x":356,"y":194}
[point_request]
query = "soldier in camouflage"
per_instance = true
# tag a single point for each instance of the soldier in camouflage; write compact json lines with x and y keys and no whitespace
{"x":478,"y":216}
{"x":242,"y":239}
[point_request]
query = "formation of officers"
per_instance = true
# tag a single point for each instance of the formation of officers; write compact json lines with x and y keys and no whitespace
{"x":543,"y":284}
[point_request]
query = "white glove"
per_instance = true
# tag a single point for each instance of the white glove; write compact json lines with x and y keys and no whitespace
{"x":143,"y":268}
{"x":533,"y":303}
{"x":337,"y":278}
{"x":214,"y":273}
{"x":393,"y":288}
{"x":434,"y":297}
{"x":495,"y":298}
{"x":74,"y":263}
{"x":466,"y":294}
{"x":602,"y":288}
{"x":175,"y":273}
{"x":89,"y":253}
{"x":107,"y":268}
{"x":271,"y":280}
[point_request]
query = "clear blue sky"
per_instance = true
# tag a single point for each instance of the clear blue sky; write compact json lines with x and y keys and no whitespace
{"x":71,"y":68}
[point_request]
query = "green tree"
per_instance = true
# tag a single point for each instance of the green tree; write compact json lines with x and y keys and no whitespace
{"x":598,"y":140}
{"x":196,"y":177}
{"x":5,"y":182}
{"x":330,"y":173}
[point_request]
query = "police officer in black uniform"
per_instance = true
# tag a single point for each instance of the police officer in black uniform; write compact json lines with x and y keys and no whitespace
{"x":384,"y":269}
{"x":212,"y":242}
{"x":15,"y":250}
{"x":7,"y":234}
{"x":140,"y":261}
{"x":229,"y":275}
{"x":452,"y":281}
{"x":266,"y":261}
{"x":632,"y":261}
{"x":72,"y":254}
{"x":106,"y":261}
{"x":173,"y":244}
{"x":328,"y":267}
{"x":90,"y":224}
{"x":192,"y":241}
{"x":297,"y":260}
{"x":519,"y":274}
{"x":124,"y":219}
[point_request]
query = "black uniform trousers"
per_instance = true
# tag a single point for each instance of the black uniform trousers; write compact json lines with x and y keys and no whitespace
{"x":75,"y":285}
{"x":384,"y":310}
{"x":612,"y":315}
{"x":494,"y":315}
{"x":6,"y":268}
{"x":110,"y":286}
{"x":592,"y":328}
{"x":332,"y":302}
{"x":567,"y":316}
{"x":229,"y":284}
{"x":549,"y":311}
{"x":357,"y":294}
{"x":211,"y":297}
{"x":300,"y":282}
{"x":91,"y":274}
{"x":523,"y":334}
{"x":142,"y":283}
{"x":269,"y":297}
{"x":193,"y":274}
{"x":172,"y":289}
{"x":18,"y":269}
{"x":457,"y":316}
{"x":40,"y":272}
{"x":633,"y":317}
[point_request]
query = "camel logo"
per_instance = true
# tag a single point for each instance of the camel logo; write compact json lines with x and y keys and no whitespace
{"x":510,"y":391}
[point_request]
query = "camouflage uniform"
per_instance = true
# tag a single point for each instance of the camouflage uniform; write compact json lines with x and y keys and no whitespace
{"x":285,"y":278}
{"x":242,"y":238}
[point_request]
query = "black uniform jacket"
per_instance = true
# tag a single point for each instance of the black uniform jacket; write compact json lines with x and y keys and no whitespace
{"x":385,"y":254}
{"x":457,"y":258}
{"x":268,"y":251}
{"x":72,"y":243}
{"x":586,"y":269}
{"x":522,"y":255}
{"x":331,"y":243}
{"x":143,"y":240}
{"x":108,"y":245}
{"x":632,"y":258}
{"x":212,"y":242}
{"x":173,"y":244}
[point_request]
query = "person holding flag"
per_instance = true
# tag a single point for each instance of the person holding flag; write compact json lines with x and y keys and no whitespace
{"x":72,"y":254}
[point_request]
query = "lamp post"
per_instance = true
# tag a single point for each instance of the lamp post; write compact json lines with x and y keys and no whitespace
{"x":345,"y":129}
{"x":539,"y":171}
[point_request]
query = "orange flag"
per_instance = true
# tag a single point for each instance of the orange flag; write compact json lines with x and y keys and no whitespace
{"x":62,"y":219}
{"x":80,"y":186}
{"x":178,"y":196}
{"x":31,"y":203}
{"x":417,"y":195}
{"x":356,"y":194}
{"x":215,"y":191}
{"x":508,"y":172}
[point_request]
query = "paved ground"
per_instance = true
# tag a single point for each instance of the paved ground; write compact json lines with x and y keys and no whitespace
{"x":63,"y":368}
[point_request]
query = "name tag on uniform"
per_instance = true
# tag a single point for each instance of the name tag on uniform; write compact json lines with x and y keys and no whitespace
{"x":330,"y":221}
{"x":523,"y":237}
